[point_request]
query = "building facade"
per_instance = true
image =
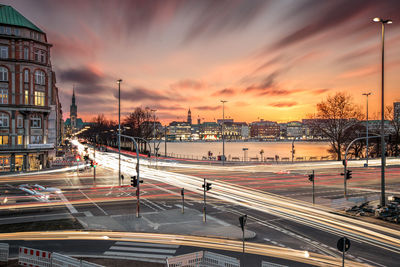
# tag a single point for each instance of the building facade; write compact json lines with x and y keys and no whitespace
{"x":29,"y":105}
{"x":396,"y":110}
{"x":264,"y":129}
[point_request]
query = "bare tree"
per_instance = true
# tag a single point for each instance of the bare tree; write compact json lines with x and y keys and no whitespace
{"x":337,"y":119}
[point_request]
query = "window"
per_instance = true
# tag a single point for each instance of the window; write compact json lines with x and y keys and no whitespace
{"x":5,"y":30}
{"x":3,"y":51}
{"x":36,"y":122}
{"x":36,"y":139}
{"x":3,"y":120}
{"x":3,"y":74}
{"x":16,"y":32}
{"x":26,"y":76}
{"x":3,"y":96}
{"x":36,"y":55}
{"x":40,"y":77}
{"x":42,"y":56}
{"x":26,"y":97}
{"x":26,"y":53}
{"x":39,"y":98}
{"x":20,"y":121}
{"x":20,"y":140}
{"x":8,"y":30}
{"x":3,"y":140}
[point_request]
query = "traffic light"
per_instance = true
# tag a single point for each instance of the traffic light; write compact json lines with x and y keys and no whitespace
{"x":311,"y":177}
{"x":149,"y":155}
{"x":348,"y":174}
{"x":242,"y":220}
{"x":344,"y":162}
{"x":86,"y":157}
{"x":91,"y":163}
{"x":133,"y":181}
{"x":182,"y":191}
{"x":207,"y":186}
{"x":78,"y":158}
{"x":94,"y":164}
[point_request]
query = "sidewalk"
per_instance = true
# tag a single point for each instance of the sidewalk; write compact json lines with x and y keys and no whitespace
{"x":167,"y":222}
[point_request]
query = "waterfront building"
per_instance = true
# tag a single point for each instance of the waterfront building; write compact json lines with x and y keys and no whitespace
{"x":294,"y":129}
{"x":264,"y":129}
{"x":179,"y":131}
{"x":30,"y":111}
{"x":235,"y":131}
{"x":211,"y":131}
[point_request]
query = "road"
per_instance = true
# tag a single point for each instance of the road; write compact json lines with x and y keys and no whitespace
{"x":277,"y":220}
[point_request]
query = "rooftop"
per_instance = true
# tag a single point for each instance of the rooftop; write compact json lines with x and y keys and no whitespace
{"x":10,"y":16}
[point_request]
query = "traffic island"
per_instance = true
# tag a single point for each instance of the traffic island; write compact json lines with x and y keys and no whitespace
{"x":167,"y":222}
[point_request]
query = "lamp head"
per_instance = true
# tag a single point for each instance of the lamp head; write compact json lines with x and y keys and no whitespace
{"x":377,"y":19}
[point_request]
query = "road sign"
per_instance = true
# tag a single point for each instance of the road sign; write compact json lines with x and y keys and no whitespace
{"x":344,"y":241}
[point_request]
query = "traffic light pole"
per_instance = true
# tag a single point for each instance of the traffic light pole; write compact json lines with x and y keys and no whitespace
{"x":345,"y":160}
{"x":313,"y":182}
{"x":94,"y":159}
{"x":204,"y":206}
{"x":183,"y":199}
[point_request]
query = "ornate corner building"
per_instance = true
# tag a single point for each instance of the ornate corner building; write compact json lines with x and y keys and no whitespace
{"x":31,"y":125}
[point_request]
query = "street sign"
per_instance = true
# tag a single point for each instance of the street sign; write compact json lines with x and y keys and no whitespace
{"x":343,"y":241}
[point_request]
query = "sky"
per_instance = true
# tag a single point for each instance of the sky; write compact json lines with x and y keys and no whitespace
{"x":270,"y":59}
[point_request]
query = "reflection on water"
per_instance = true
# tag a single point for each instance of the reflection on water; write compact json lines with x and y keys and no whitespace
{"x":235,"y":149}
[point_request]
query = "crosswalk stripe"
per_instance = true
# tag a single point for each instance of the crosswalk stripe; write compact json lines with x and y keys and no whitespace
{"x":138,"y":255}
{"x":154,"y":250}
{"x":122,"y":243}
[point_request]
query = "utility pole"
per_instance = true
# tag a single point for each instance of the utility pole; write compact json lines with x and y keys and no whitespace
{"x":165,"y":141}
{"x":223,"y":136}
{"x":94,"y":159}
{"x":366,"y":165}
{"x":119,"y":131}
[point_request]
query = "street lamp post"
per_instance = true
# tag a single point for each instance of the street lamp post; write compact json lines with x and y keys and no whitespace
{"x":119,"y":131}
{"x":383,"y":158}
{"x":154,"y":133}
{"x":367,"y":94}
{"x":223,"y":136}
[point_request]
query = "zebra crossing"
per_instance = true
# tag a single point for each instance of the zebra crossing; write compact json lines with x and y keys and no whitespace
{"x":138,"y":250}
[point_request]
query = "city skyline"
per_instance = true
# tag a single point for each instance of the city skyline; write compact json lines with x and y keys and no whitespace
{"x":174,"y":55}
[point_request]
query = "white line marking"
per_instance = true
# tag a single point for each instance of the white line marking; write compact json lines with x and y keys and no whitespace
{"x":152,"y":250}
{"x":93,"y":202}
{"x":139,"y":255}
{"x":67,"y":203}
{"x":145,"y":244}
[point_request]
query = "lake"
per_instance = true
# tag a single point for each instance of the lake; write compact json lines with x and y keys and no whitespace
{"x":234,"y":150}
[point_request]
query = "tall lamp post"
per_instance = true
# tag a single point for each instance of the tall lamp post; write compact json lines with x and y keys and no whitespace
{"x":383,"y":159}
{"x":223,"y":136}
{"x":367,"y":94}
{"x":154,"y":128}
{"x":119,"y":131}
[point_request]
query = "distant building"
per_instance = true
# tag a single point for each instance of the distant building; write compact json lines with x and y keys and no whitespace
{"x":235,"y":130}
{"x":73,"y":123}
{"x":211,"y":131}
{"x":264,"y":129}
{"x":179,"y":131}
{"x":294,"y":129}
{"x":189,"y":117}
{"x":30,"y":111}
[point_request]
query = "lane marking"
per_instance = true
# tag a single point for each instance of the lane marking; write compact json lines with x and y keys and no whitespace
{"x":155,"y":250}
{"x":137,"y":255}
{"x":145,"y":244}
{"x":67,"y":203}
{"x":93,"y":202}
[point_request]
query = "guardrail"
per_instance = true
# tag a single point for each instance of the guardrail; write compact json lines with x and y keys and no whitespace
{"x":202,"y":258}
{"x":4,"y":248}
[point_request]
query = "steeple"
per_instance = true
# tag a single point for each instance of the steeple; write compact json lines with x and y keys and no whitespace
{"x":189,"y":117}
{"x":73,"y":97}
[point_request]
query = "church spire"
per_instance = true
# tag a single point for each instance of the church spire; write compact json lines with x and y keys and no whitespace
{"x":73,"y":96}
{"x":189,"y":117}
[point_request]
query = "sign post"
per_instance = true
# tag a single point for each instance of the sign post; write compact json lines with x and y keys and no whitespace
{"x":183,"y":199}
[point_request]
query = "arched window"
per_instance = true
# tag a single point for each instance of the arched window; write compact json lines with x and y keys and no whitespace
{"x":40,"y":77}
{"x":3,"y":74}
{"x":36,"y":121}
{"x":4,"y":120}
{"x":26,"y":76}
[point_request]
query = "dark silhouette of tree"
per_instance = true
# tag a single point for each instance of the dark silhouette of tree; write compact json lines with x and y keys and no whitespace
{"x":337,"y":118}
